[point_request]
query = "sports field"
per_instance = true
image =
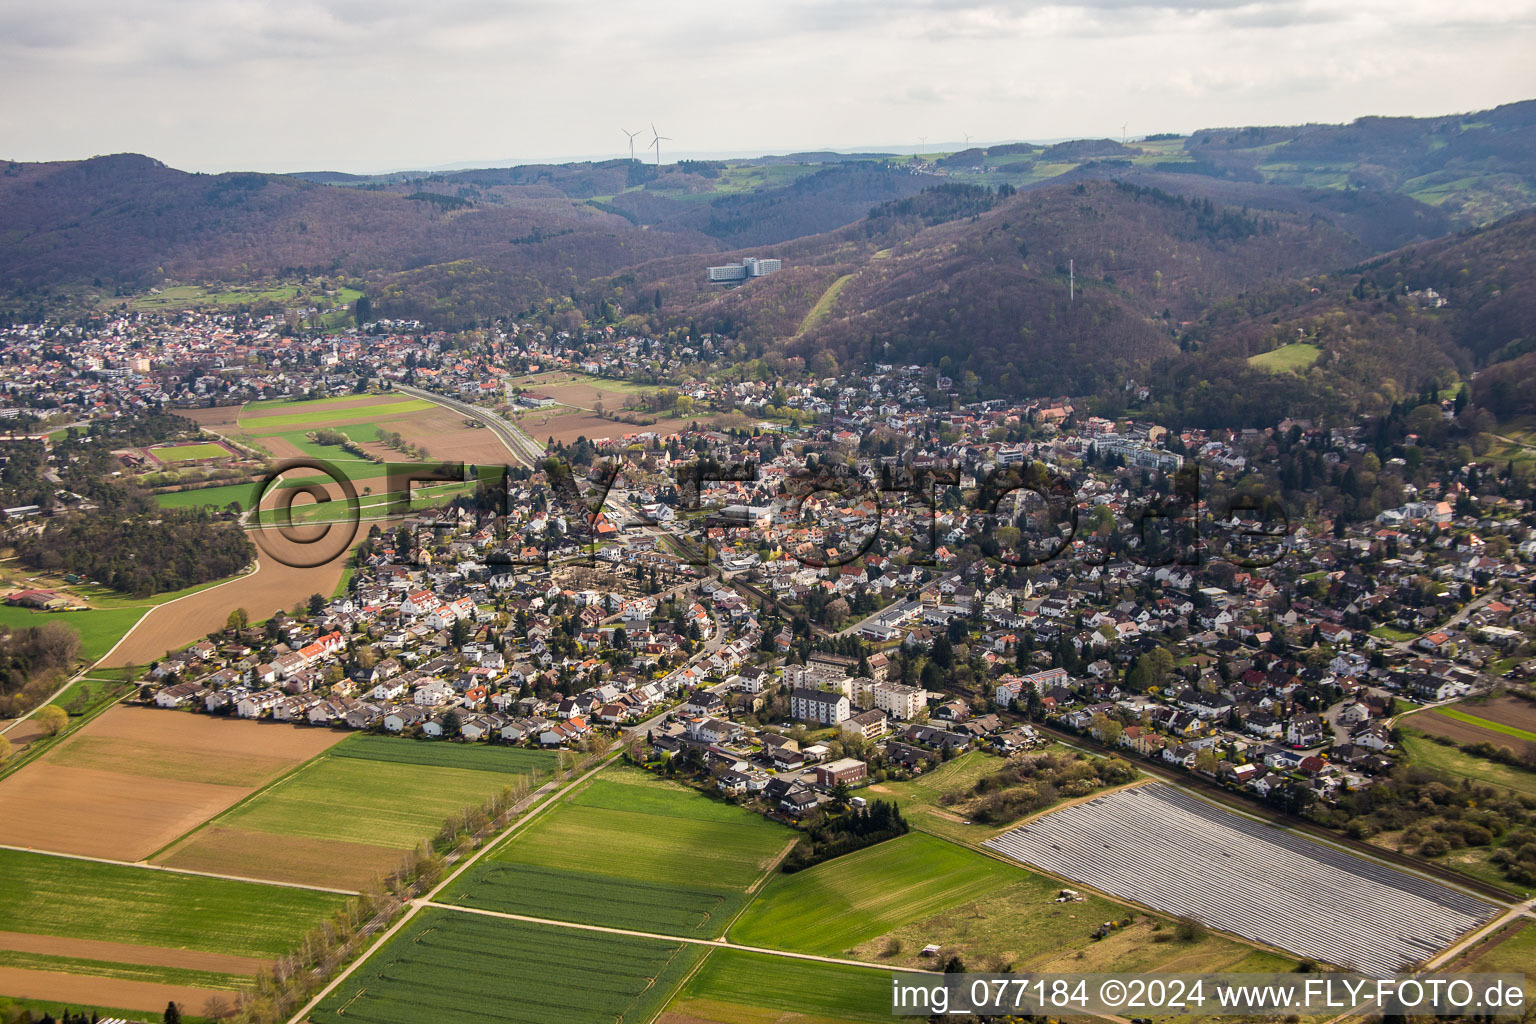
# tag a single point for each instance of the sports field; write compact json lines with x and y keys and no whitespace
{"x":348,"y":817}
{"x":630,"y":851}
{"x":189,"y":452}
{"x":452,"y":967}
{"x":836,"y":905}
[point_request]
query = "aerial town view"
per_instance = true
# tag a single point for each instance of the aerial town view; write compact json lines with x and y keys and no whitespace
{"x":792,"y":561}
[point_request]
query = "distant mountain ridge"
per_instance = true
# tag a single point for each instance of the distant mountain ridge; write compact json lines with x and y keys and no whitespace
{"x":959,"y":260}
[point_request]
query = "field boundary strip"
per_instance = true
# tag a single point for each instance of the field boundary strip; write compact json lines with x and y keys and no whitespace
{"x":253,"y":794}
{"x":142,"y":866}
{"x":1514,"y":732}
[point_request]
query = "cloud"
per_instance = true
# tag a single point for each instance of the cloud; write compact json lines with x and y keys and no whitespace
{"x":370,"y":84}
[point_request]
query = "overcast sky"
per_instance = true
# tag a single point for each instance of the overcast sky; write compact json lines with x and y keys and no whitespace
{"x":371,"y":85}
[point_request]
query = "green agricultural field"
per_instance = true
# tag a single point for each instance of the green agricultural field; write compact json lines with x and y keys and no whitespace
{"x":363,"y":800}
{"x":369,"y":506}
{"x":310,"y":418}
{"x":1426,"y":753}
{"x":333,"y":402}
{"x":1292,"y":358}
{"x":1486,"y":723}
{"x":481,"y":757}
{"x":81,"y":899}
{"x":190,"y":452}
{"x":451,"y":967}
{"x":630,"y":851}
{"x":836,"y":905}
{"x":735,"y":987}
{"x":699,"y":911}
{"x":219,"y":496}
{"x":652,"y":833}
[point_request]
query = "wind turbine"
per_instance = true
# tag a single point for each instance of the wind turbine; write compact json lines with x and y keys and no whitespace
{"x":922,"y":141}
{"x":1122,"y":134}
{"x":631,"y":135}
{"x":656,"y":141}
{"x":967,"y":139}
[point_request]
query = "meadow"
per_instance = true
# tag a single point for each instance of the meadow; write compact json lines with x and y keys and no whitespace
{"x":632,"y":852}
{"x":666,"y":833}
{"x":835,"y":906}
{"x":451,"y":967}
{"x":321,"y":414}
{"x":62,"y":896}
{"x":99,"y":628}
{"x":1425,"y":752}
{"x":919,"y":798}
{"x":1292,"y":358}
{"x":736,"y":987}
{"x":188,"y":296}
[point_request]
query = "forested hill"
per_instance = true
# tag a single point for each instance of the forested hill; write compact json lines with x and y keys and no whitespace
{"x":1057,"y":288}
{"x":123,"y":223}
{"x":1363,"y":337}
{"x":959,"y":260}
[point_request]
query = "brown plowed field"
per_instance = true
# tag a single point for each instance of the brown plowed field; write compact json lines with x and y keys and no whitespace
{"x":127,"y":953}
{"x":222,"y":418}
{"x":136,"y":778}
{"x":282,"y":448}
{"x":566,"y":426}
{"x":1464,"y":732}
{"x":76,"y":989}
{"x":327,"y":862}
{"x":271,"y":588}
{"x":443,"y":433}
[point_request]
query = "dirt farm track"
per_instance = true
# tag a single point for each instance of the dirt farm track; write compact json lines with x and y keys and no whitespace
{"x":78,"y":989}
